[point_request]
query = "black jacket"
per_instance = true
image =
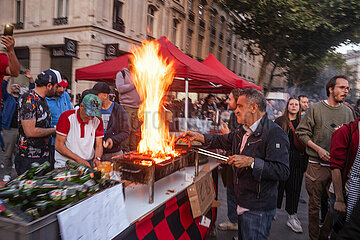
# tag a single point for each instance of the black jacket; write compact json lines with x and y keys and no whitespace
{"x":118,"y":128}
{"x":257,"y":188}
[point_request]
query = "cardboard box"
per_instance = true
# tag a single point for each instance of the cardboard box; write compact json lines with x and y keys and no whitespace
{"x":201,"y":193}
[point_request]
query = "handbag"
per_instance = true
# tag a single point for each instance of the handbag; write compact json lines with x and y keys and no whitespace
{"x":299,"y":145}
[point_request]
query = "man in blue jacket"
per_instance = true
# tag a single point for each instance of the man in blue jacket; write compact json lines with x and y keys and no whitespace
{"x":9,"y":123}
{"x":58,"y":104}
{"x":261,"y":160}
{"x":116,"y":123}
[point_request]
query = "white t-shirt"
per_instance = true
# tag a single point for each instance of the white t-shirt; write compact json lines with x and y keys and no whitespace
{"x":80,"y":136}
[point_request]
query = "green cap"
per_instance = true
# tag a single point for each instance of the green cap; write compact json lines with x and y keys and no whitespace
{"x":92,"y":105}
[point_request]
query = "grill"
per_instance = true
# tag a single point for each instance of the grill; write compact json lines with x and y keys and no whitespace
{"x":142,"y":169}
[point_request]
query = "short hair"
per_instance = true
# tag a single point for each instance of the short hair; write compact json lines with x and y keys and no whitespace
{"x":302,"y":96}
{"x":332,"y":82}
{"x":254,"y":96}
{"x":63,"y":76}
{"x":236,"y":93}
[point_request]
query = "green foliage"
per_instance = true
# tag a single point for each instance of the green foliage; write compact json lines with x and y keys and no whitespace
{"x":285,"y":32}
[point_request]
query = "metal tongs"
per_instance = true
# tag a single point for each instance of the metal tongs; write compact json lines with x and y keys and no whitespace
{"x":202,"y":151}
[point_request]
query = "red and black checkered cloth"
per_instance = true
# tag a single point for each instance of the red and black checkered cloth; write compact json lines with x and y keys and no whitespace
{"x":173,"y":220}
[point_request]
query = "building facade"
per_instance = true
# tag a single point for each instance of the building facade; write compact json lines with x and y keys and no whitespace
{"x":353,"y":61}
{"x":70,"y":34}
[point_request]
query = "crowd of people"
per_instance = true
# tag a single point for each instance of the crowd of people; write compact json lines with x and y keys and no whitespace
{"x":267,"y":157}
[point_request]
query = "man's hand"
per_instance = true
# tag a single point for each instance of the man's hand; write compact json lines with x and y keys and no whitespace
{"x":28,"y":75}
{"x":8,"y":42}
{"x":323,"y":154}
{"x":240,"y":161}
{"x":84,"y":162}
{"x":224,"y":128}
{"x":193,"y":136}
{"x":340,"y":207}
{"x":96,"y":162}
{"x":108,"y":143}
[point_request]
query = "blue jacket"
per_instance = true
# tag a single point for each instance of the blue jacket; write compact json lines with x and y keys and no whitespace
{"x":57,"y":107}
{"x":9,"y":102}
{"x":257,"y":188}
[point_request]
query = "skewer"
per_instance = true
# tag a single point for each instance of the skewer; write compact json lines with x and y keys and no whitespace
{"x":215,"y":155}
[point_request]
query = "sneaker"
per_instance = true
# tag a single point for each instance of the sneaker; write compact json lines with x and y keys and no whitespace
{"x":226,"y":226}
{"x":276,"y":217}
{"x":294,"y":223}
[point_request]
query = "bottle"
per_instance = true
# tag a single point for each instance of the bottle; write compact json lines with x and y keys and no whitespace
{"x":83,"y":170}
{"x":93,"y":189}
{"x":66,"y":176}
{"x":36,"y":171}
{"x":33,"y":167}
{"x":13,"y":213}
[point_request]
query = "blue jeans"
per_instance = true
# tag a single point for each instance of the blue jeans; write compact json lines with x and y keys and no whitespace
{"x":255,"y":225}
{"x":231,"y":205}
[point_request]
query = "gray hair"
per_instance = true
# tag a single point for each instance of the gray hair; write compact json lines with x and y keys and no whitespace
{"x":255,"y":97}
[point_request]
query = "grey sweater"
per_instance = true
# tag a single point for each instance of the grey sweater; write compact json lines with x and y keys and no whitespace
{"x":128,"y":95}
{"x":318,"y":124}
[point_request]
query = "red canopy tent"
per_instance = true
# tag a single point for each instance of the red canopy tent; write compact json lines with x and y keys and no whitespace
{"x":201,"y":78}
{"x":236,"y":82}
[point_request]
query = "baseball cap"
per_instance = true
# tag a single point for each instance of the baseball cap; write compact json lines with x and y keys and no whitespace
{"x":102,"y":87}
{"x":49,"y":76}
{"x":92,"y":105}
{"x":63,"y":83}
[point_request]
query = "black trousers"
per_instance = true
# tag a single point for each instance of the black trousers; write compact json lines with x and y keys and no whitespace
{"x":22,"y":163}
{"x":298,"y":164}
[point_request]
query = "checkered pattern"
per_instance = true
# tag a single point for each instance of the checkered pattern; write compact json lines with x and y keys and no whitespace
{"x":173,"y":220}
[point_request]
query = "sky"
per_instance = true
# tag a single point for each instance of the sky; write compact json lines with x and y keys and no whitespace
{"x":344,"y":48}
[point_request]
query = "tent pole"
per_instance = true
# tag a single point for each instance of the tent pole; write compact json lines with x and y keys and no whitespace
{"x":186,"y":102}
{"x":74,"y":93}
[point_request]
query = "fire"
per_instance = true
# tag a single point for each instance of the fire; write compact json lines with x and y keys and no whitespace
{"x":152,"y":77}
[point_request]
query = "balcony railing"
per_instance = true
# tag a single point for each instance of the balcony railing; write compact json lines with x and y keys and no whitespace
{"x":61,"y":21}
{"x":119,"y":25}
{"x":19,"y":25}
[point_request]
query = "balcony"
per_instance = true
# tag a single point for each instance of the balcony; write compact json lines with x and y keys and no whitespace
{"x":19,"y":25}
{"x":119,"y":25}
{"x":61,"y":21}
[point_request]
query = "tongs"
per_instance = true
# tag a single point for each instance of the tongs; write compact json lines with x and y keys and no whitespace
{"x":202,"y":151}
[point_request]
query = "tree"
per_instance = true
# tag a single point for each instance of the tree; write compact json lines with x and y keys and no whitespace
{"x":282,"y":31}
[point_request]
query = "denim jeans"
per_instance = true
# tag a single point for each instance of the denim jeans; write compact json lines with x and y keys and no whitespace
{"x":231,"y":205}
{"x":255,"y":225}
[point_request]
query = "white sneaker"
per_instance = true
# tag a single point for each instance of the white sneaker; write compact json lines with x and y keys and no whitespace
{"x":226,"y":226}
{"x":294,"y":223}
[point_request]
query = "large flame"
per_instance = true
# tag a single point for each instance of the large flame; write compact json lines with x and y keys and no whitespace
{"x":152,"y":77}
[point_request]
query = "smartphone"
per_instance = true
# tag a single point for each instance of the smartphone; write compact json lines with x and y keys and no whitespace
{"x":8,"y":29}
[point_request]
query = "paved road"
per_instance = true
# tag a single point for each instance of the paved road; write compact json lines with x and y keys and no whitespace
{"x":279,"y":230}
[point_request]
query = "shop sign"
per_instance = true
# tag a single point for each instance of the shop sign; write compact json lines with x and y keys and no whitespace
{"x":57,"y":52}
{"x":111,"y":51}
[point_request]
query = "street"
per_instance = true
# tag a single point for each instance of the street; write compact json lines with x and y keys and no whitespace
{"x":279,"y":229}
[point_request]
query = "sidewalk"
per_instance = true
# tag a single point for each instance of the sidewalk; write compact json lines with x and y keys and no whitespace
{"x":279,"y":229}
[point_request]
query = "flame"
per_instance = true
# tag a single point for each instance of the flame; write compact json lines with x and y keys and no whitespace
{"x":152,"y":77}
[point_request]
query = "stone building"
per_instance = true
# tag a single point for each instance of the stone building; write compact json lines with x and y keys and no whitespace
{"x":353,"y":61}
{"x":69,"y":34}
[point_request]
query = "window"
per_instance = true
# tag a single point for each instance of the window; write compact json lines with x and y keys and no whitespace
{"x":201,"y":10}
{"x":63,"y":8}
{"x":240,"y":66}
{"x":228,"y":58}
{"x":20,"y":14}
{"x":118,"y":23}
{"x":190,"y":5}
{"x":188,"y":41}
{"x":234,"y":63}
{"x":212,"y":45}
{"x":221,"y":27}
{"x":200,"y":43}
{"x":212,"y":22}
{"x":150,"y":21}
{"x":174,"y":30}
{"x":220,"y":52}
